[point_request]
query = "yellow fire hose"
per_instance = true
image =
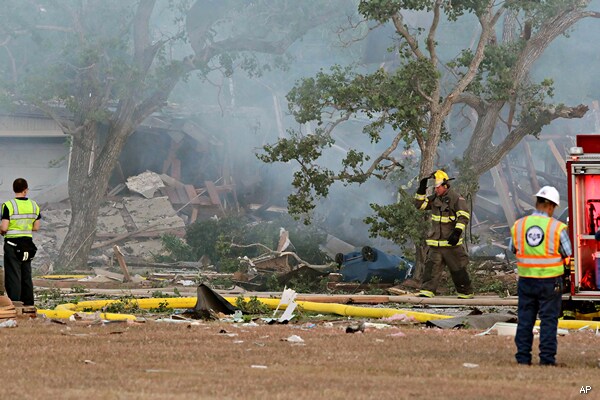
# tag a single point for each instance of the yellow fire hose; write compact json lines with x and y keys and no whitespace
{"x":65,"y":314}
{"x":68,"y":309}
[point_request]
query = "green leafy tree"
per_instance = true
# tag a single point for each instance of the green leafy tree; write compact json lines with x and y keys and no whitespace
{"x":100,"y":68}
{"x":411,"y":103}
{"x":502,"y":92}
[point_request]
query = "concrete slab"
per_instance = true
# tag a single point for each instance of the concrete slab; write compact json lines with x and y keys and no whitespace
{"x":146,"y":183}
{"x":148,"y":212}
{"x":145,"y":249}
{"x":110,"y":220}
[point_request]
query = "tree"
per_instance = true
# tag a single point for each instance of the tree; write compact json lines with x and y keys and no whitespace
{"x":415,"y":99}
{"x":506,"y":88}
{"x":110,"y":64}
{"x":410,"y":100}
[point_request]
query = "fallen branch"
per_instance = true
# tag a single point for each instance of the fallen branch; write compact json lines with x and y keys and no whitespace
{"x":272,"y":252}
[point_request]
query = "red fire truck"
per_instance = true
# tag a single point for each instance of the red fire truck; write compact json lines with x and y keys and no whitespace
{"x":583,"y":180}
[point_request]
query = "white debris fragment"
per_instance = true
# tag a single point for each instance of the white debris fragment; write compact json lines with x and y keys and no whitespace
{"x":294,"y":339}
{"x":376,"y":325}
{"x":11,"y":323}
{"x":146,"y":183}
{"x":399,"y":318}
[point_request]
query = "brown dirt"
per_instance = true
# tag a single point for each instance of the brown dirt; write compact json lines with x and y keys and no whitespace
{"x":44,"y":360}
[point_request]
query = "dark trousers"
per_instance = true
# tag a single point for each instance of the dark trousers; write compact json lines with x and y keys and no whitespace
{"x":456,"y":258}
{"x":543,"y":296}
{"x":17,"y":277}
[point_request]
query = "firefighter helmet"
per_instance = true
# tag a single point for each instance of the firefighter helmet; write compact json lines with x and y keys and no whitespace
{"x":549,"y":193}
{"x":441,"y":177}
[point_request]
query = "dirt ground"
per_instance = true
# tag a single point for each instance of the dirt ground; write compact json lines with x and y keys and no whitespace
{"x":46,"y":360}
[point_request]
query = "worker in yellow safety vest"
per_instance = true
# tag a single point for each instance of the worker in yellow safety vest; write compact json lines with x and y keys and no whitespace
{"x":541,"y":245}
{"x":20,"y":218}
{"x":450,"y":216}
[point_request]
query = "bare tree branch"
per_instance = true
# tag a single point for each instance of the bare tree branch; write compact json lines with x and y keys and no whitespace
{"x":421,"y":92}
{"x":153,"y":102}
{"x":141,"y":27}
{"x":482,"y":153}
{"x":246,"y":246}
{"x":13,"y":63}
{"x":543,"y":117}
{"x":549,"y":30}
{"x":508,"y":31}
{"x":410,"y":39}
{"x":143,"y":53}
{"x":475,"y":102}
{"x":352,"y":26}
{"x":432,"y":32}
{"x":332,"y":125}
{"x":487,"y":22}
{"x":247,"y":43}
{"x":385,"y":155}
{"x":78,"y":27}
{"x":271,"y":251}
{"x":65,"y":125}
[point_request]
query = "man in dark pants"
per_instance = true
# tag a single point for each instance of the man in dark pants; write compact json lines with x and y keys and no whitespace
{"x":541,"y":244}
{"x":20,"y":218}
{"x":450,"y":216}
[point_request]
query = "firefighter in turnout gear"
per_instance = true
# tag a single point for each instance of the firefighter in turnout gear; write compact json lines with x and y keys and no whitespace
{"x":449,"y":216}
{"x":542,"y":247}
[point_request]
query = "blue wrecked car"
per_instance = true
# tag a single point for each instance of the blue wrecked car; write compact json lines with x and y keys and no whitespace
{"x":368,"y":263}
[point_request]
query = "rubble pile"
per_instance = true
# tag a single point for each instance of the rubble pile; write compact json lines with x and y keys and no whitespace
{"x":152,"y":206}
{"x":116,"y":217}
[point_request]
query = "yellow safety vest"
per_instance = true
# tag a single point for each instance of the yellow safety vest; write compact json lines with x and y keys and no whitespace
{"x":537,"y":240}
{"x":23,"y":213}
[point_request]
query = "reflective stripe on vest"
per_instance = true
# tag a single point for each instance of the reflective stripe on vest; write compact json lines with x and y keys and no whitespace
{"x":537,"y":241}
{"x":21,"y":218}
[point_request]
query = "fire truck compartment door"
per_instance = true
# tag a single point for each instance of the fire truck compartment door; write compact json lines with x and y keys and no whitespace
{"x":586,"y":170}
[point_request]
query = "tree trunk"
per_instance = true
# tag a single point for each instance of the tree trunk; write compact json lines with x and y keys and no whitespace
{"x":77,"y":244}
{"x":88,"y":182}
{"x":428,"y":154}
{"x":420,"y":257}
{"x":479,"y":152}
{"x":429,"y":150}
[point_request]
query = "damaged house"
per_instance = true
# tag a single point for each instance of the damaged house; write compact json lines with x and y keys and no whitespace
{"x":170,"y":173}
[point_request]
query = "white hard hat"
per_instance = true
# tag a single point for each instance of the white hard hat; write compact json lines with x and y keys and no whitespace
{"x":549,"y":193}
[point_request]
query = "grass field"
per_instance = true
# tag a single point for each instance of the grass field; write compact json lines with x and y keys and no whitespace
{"x":46,"y":360}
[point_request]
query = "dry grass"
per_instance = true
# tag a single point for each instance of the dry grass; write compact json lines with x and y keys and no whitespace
{"x":43,"y":360}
